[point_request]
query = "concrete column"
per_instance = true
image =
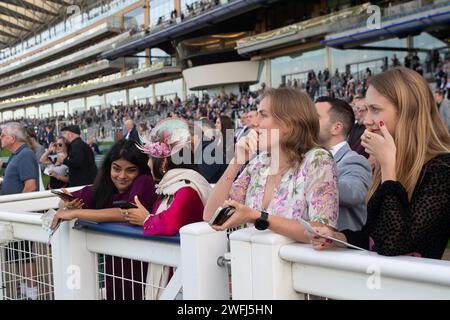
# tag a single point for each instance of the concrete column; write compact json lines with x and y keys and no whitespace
{"x":24,"y":113}
{"x":328,"y":58}
{"x":409,"y":42}
{"x":38,"y":110}
{"x":52,"y":110}
{"x":183,"y":90}
{"x":147,"y":24}
{"x":127,"y":96}
{"x":1,"y":116}
{"x":67,"y":108}
{"x":153,"y":93}
{"x":177,"y":6}
{"x":85,"y":103}
{"x":104,"y":100}
{"x":268,"y":63}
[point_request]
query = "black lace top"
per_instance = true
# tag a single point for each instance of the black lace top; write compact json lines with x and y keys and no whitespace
{"x":399,"y":227}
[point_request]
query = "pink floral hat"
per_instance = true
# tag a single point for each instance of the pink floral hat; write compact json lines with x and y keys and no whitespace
{"x":167,"y":138}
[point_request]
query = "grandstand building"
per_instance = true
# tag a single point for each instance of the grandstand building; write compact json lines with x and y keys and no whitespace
{"x":58,"y":57}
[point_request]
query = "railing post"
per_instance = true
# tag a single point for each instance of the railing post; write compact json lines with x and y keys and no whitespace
{"x":256,"y":268}
{"x":202,"y":278}
{"x":73,"y":265}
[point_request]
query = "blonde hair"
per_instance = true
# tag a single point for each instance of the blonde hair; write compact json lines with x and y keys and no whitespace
{"x":295,"y":111}
{"x":420,"y":133}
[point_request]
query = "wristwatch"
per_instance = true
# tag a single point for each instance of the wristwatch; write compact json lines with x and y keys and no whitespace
{"x":262,"y":223}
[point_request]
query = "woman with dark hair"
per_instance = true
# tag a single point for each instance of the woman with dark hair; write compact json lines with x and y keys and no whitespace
{"x":182,"y":191}
{"x":123,"y":176}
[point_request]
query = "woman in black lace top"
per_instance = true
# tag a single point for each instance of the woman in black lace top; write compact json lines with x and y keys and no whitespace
{"x":409,"y":200}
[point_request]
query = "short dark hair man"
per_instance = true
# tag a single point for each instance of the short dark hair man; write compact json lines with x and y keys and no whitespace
{"x":354,"y":172}
{"x":81,"y":160}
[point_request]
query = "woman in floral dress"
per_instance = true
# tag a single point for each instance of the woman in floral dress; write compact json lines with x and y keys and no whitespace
{"x":292,"y":178}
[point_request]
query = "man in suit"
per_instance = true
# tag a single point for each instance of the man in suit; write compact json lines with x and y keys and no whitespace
{"x":354,"y":136}
{"x":354,"y":172}
{"x":243,"y":129}
{"x":131,"y":133}
{"x":81,"y":160}
{"x":443,"y":105}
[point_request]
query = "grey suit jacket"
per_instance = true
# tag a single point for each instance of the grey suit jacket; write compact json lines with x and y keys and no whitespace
{"x":354,"y":178}
{"x":444,"y":110}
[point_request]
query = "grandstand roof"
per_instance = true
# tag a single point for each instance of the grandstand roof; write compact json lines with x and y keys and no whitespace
{"x":19,"y":19}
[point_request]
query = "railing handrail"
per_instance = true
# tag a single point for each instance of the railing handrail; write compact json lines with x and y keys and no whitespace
{"x":25,"y":217}
{"x":32,"y":195}
{"x":292,"y":269}
{"x":401,"y":267}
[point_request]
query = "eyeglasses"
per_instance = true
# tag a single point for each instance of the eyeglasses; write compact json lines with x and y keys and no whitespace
{"x":59,"y":144}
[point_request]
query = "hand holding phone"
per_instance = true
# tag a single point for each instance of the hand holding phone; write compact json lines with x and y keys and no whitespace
{"x":221,"y":215}
{"x":64,"y":196}
{"x":124,"y":205}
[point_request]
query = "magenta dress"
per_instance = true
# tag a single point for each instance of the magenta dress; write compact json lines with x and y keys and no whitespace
{"x":120,"y":271}
{"x":186,"y":208}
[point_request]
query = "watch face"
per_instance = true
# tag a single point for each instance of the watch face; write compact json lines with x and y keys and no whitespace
{"x":261,"y":224}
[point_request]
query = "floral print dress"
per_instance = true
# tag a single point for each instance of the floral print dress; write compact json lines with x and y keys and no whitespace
{"x":309,"y":191}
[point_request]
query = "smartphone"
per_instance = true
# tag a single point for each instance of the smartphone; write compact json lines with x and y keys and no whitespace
{"x":64,"y":196}
{"x":124,"y":205}
{"x":221,"y":215}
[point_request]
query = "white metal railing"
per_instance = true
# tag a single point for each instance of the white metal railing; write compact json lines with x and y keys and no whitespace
{"x":266,"y":265}
{"x":74,"y":265}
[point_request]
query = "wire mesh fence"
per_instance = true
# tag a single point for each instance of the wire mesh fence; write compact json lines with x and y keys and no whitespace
{"x":127,"y":279}
{"x":26,"y":271}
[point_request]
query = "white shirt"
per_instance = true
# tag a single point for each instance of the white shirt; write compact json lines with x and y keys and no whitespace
{"x":337,"y":147}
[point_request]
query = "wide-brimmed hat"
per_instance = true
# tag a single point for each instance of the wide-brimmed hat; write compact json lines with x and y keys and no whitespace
{"x":167,"y":138}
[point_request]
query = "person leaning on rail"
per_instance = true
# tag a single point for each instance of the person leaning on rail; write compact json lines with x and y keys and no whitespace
{"x":123,"y":176}
{"x":182,"y":191}
{"x":409,"y":197}
{"x":292,"y":178}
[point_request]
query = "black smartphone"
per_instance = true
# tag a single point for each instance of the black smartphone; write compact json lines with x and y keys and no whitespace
{"x":64,"y":196}
{"x":124,"y":205}
{"x":221,"y":215}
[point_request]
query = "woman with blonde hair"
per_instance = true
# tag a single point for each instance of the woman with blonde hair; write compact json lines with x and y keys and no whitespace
{"x":409,"y":197}
{"x":292,"y":178}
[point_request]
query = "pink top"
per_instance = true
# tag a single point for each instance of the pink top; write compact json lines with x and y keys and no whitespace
{"x":186,"y":208}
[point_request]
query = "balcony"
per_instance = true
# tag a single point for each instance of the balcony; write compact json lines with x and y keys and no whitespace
{"x":163,"y":70}
{"x":299,"y":32}
{"x":113,"y":26}
{"x":396,"y":21}
{"x":77,"y":58}
{"x":90,"y":71}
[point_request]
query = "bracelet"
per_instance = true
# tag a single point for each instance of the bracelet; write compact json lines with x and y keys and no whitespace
{"x":146,"y":219}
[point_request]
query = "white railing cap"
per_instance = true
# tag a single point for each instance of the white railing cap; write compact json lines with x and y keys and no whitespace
{"x":32,"y":195}
{"x":402,"y":267}
{"x":197,"y":228}
{"x":262,"y":237}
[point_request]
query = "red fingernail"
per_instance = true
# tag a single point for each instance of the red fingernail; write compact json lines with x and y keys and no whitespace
{"x":322,"y":245}
{"x":316,"y":237}
{"x":381,"y":123}
{"x":328,"y":241}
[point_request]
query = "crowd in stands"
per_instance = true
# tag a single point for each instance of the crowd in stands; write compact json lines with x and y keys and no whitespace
{"x":352,"y":168}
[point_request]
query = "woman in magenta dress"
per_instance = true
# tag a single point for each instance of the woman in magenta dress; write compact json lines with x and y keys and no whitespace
{"x":182,"y":191}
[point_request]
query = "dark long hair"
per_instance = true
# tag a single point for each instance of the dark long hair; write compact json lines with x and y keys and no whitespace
{"x":103,"y":187}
